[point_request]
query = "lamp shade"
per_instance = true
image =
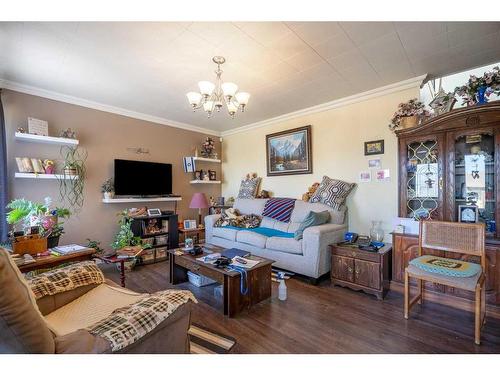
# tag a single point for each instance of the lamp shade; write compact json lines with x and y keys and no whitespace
{"x":199,"y":200}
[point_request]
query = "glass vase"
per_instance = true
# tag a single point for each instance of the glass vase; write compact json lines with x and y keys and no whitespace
{"x":376,"y":231}
{"x":481,"y":95}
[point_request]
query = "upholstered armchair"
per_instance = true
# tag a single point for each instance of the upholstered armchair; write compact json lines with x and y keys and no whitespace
{"x":75,"y":310}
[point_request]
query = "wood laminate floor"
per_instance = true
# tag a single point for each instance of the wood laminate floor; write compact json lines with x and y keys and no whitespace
{"x":326,"y":319}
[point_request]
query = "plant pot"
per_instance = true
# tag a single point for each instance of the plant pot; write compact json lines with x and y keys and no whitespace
{"x":52,"y":241}
{"x":109,"y":194}
{"x":408,"y":122}
{"x":70,"y":171}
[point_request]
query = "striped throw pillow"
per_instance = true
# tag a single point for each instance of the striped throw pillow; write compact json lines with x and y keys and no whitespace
{"x":332,"y":192}
{"x":279,"y":209}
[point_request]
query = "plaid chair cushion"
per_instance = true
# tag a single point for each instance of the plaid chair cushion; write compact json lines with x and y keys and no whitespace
{"x":128,"y":324}
{"x":65,"y":279}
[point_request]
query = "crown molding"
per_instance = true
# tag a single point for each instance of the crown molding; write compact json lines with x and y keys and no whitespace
{"x":32,"y":90}
{"x":348,"y":100}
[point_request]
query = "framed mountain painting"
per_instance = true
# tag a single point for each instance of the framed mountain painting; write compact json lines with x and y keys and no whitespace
{"x":289,"y":152}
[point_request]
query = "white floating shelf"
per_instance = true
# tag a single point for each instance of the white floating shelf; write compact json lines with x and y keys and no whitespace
{"x":45,"y":139}
{"x":41,"y":176}
{"x":203,"y":182}
{"x":132,"y":200}
{"x":209,"y":160}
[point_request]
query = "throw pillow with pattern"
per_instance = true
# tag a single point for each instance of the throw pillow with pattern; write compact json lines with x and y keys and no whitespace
{"x":332,"y":192}
{"x":249,"y":187}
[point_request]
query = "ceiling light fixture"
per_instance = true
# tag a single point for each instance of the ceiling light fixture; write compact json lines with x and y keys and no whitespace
{"x":212,"y":97}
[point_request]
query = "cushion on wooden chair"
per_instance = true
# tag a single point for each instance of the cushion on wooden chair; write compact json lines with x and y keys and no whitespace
{"x":446,"y":266}
{"x":466,"y":283}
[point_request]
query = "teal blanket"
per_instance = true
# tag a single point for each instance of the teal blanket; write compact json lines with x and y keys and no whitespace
{"x":268,"y":232}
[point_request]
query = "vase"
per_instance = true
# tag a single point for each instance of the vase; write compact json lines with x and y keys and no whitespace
{"x":481,"y":95}
{"x":408,"y":122}
{"x":109,"y":194}
{"x":52,"y":241}
{"x":376,"y":231}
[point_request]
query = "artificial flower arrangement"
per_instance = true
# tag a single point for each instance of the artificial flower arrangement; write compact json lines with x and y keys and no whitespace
{"x":412,"y":107}
{"x":478,"y":89}
{"x":208,"y":148}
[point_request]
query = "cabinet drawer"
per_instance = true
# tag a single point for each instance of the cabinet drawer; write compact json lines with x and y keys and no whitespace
{"x":355,"y":253}
{"x":367,"y":273}
{"x":342,"y":268}
{"x":200,"y":269}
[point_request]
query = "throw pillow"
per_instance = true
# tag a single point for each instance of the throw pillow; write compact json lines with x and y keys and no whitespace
{"x":332,"y":192}
{"x":312,"y":219}
{"x":279,"y":209}
{"x":249,"y":187}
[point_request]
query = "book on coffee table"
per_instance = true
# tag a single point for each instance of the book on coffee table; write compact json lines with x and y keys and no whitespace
{"x":231,"y":253}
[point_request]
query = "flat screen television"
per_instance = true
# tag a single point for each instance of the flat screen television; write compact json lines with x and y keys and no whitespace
{"x":140,"y":178}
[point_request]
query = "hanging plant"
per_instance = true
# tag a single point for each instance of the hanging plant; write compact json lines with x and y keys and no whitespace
{"x":72,"y":182}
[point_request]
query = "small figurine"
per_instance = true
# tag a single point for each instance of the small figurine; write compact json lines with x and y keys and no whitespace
{"x":212,"y":202}
{"x":264,"y":194}
{"x":68,"y":133}
{"x":310,"y":191}
{"x":21,"y":130}
{"x":208,"y":148}
{"x":48,"y":166}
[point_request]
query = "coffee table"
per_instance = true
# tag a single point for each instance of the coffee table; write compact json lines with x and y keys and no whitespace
{"x":258,"y":278}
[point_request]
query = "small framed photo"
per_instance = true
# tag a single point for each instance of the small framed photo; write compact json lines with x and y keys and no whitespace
{"x":212,"y":175}
{"x":365,"y":176}
{"x":374,"y":163}
{"x":383,"y":175}
{"x":189,"y":224}
{"x":154,"y":212}
{"x":198,"y":175}
{"x":468,"y":214}
{"x":374,"y":147}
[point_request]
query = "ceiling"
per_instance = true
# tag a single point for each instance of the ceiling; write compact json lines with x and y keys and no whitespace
{"x":148,"y":67}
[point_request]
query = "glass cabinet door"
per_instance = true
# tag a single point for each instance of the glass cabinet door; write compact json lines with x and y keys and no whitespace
{"x":475,"y":180}
{"x":423,"y":180}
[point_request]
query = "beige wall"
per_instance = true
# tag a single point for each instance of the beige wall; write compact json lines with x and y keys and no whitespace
{"x":105,"y":136}
{"x":338,"y":137}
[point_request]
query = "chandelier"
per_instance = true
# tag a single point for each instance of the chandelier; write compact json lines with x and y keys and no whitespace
{"x":212,"y":97}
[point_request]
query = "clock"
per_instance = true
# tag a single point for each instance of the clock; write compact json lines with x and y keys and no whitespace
{"x":468,"y":214}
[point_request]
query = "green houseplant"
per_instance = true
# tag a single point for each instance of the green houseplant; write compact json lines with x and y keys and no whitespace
{"x":72,"y":182}
{"x":108,"y":188}
{"x":28,"y":213}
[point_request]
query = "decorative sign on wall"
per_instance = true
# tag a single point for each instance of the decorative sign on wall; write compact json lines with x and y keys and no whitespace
{"x":38,"y":127}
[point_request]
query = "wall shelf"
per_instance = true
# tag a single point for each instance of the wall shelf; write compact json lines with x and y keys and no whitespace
{"x":133,"y":200}
{"x":25,"y":137}
{"x":203,"y":182}
{"x":209,"y":160}
{"x":41,"y":176}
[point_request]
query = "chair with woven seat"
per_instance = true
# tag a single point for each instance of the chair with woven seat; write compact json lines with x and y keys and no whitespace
{"x":462,"y":238}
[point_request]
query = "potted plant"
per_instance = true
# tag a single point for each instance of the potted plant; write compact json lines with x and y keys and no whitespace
{"x":408,"y":115}
{"x":39,"y":214}
{"x":72,"y":180}
{"x":478,"y":89}
{"x":108,"y":189}
{"x":126,"y":242}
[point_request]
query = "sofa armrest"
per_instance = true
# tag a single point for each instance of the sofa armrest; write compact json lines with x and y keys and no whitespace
{"x":316,"y":241}
{"x":209,"y":224}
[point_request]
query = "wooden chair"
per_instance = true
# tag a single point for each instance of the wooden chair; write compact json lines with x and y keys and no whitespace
{"x":461,"y":238}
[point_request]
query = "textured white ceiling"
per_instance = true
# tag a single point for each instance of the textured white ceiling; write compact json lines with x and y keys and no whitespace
{"x":286,"y":66}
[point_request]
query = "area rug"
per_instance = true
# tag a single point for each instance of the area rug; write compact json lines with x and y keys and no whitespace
{"x":204,"y":341}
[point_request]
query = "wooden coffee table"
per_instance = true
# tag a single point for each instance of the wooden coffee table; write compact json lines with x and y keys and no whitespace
{"x":258,"y":279}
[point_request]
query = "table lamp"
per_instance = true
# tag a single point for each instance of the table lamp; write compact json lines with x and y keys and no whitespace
{"x":199,"y":201}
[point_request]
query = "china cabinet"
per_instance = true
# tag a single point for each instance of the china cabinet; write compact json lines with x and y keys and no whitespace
{"x":449,"y":169}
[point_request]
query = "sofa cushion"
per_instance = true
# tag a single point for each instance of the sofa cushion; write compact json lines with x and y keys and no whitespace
{"x":250,"y":206}
{"x":312,"y":219}
{"x":90,"y":308}
{"x":251,"y":238}
{"x":227,"y":233}
{"x":22,"y":327}
{"x":279,"y":209}
{"x":285,"y":245}
{"x":332,"y":192}
{"x":249,"y":187}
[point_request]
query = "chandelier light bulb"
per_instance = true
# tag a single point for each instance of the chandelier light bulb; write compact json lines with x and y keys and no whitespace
{"x":208,"y":106}
{"x":242,"y":99}
{"x":194,"y":98}
{"x":229,"y":89}
{"x":206,"y":88}
{"x":232,"y":108}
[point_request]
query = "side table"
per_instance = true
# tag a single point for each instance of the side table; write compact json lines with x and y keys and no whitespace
{"x":360,"y":269}
{"x":114,"y":260}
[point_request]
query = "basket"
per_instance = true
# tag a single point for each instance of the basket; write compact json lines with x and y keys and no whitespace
{"x":161,"y":240}
{"x":199,"y":280}
{"x":408,"y":122}
{"x":161,"y":253}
